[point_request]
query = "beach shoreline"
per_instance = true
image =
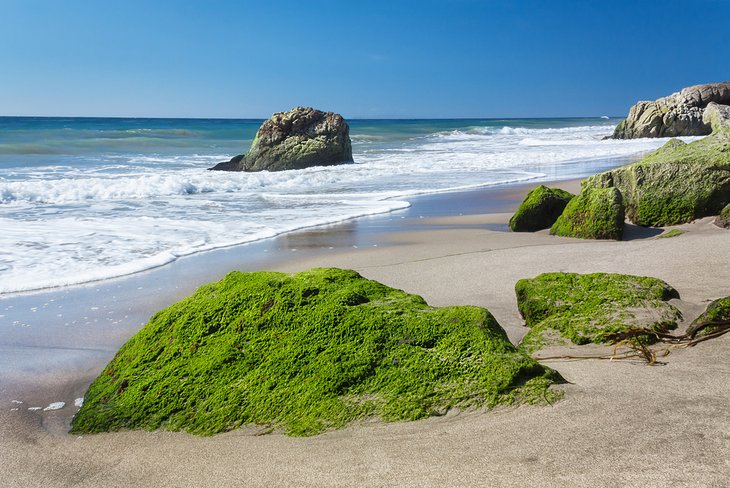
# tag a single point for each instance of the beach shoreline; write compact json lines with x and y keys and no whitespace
{"x":450,"y":248}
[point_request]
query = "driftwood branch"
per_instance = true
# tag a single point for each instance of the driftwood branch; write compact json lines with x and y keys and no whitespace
{"x":637,"y":340}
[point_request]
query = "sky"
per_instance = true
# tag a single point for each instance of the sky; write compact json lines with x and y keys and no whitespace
{"x":363,"y":59}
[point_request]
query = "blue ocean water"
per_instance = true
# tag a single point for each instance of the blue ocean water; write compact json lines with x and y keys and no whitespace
{"x":84,"y":199}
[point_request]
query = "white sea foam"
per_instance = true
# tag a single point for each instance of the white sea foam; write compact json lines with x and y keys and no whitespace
{"x":69,"y":224}
{"x":55,"y":406}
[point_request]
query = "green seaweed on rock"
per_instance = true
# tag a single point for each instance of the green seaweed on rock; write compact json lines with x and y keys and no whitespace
{"x":306,"y":353}
{"x":597,"y":213}
{"x":540,"y":209}
{"x":675,"y":184}
{"x":591,"y":308}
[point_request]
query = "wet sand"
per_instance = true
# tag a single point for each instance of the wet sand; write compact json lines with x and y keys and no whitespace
{"x":620,"y":423}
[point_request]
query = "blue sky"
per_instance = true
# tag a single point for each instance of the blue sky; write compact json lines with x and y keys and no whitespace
{"x":459,"y":58}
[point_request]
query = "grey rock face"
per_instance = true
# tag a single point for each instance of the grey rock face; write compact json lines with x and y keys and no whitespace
{"x":679,"y":114}
{"x":297,"y":139}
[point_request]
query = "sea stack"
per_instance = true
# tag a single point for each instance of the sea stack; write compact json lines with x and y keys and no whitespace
{"x":297,"y":139}
{"x":679,"y":114}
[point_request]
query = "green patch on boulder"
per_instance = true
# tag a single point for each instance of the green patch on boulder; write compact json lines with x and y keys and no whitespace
{"x":676,"y":184}
{"x":306,"y":353}
{"x":589,"y":308}
{"x":597,"y":213}
{"x":540,"y":209}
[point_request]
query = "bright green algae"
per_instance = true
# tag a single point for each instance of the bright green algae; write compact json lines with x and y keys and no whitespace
{"x":304,"y":353}
{"x":677,"y":183}
{"x":585,"y":308}
{"x":597,"y":213}
{"x":540,"y":209}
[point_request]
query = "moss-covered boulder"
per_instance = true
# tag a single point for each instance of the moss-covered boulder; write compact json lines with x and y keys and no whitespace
{"x":597,"y":213}
{"x":540,"y":209}
{"x":304,"y":353}
{"x":676,"y":184}
{"x":589,"y":308}
{"x":717,"y":314}
{"x":723,"y":220}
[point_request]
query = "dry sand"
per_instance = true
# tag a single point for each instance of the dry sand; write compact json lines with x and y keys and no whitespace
{"x":620,"y":424}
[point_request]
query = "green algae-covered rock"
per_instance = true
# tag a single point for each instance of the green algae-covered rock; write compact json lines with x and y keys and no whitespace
{"x":597,"y":213}
{"x":676,"y":184}
{"x":304,"y":353}
{"x":723,"y":220}
{"x":297,"y":139}
{"x":540,"y":209}
{"x":585,"y":308}
{"x":717,"y":313}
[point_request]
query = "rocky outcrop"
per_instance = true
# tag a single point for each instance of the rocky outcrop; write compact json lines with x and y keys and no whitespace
{"x":597,"y":213}
{"x":297,"y":139}
{"x":676,"y":184}
{"x":540,"y":209}
{"x":679,"y":114}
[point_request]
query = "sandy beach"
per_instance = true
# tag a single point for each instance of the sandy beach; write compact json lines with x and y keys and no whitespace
{"x":621,"y":423}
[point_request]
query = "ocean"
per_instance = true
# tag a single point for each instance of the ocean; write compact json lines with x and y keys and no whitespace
{"x":85,"y":199}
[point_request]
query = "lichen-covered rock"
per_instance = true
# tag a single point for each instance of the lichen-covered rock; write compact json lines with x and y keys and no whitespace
{"x":297,"y":139}
{"x":723,"y":220}
{"x":540,"y":209}
{"x":676,"y":184}
{"x":679,"y":114}
{"x":597,"y":213}
{"x":717,"y":116}
{"x":589,"y":308}
{"x":304,"y":353}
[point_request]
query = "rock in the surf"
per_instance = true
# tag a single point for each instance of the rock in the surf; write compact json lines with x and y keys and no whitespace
{"x":297,"y":139}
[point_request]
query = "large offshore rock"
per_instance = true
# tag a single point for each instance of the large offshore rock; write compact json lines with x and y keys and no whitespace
{"x":679,"y":114}
{"x":677,"y":183}
{"x":304,"y":353}
{"x":540,"y":209}
{"x":591,"y":308}
{"x":597,"y":213}
{"x":297,"y":139}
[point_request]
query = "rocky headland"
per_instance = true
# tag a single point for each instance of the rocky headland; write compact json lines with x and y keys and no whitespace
{"x":679,"y":114}
{"x":297,"y":139}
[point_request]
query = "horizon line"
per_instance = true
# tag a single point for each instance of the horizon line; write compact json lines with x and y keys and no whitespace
{"x":265,"y":118}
